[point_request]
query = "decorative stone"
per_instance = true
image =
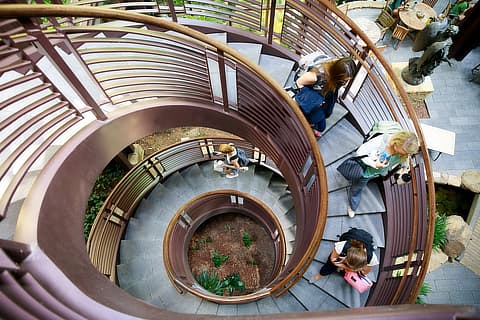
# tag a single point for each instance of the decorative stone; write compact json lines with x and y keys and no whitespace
{"x":453,"y":249}
{"x":458,"y":230}
{"x":455,"y":181}
{"x":440,"y":178}
{"x":437,"y":258}
{"x":471,"y":180}
{"x":137,"y":155}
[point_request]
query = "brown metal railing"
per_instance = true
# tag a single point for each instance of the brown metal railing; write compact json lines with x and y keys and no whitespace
{"x":317,"y":25}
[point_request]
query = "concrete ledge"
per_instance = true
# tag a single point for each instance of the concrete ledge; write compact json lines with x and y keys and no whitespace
{"x":361,"y":5}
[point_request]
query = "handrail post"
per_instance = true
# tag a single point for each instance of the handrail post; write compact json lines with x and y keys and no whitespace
{"x":271,"y":21}
{"x":171,"y":6}
{"x":66,"y":71}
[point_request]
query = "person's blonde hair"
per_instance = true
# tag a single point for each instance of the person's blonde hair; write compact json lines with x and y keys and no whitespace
{"x":336,"y":72}
{"x":225,"y":148}
{"x":356,"y":257}
{"x":405,"y":140}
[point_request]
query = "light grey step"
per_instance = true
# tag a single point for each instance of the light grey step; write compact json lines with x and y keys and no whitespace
{"x":9,"y":223}
{"x":337,"y":203}
{"x":250,"y":50}
{"x":220,"y":36}
{"x":227,"y":310}
{"x":371,"y":201}
{"x":262,"y":179}
{"x":137,"y":269}
{"x":250,"y":308}
{"x":193,"y":176}
{"x":372,"y":223}
{"x":207,"y":308}
{"x":166,"y":296}
{"x":338,"y":113}
{"x":138,"y":230}
{"x":288,"y":303}
{"x":339,"y":141}
{"x":335,"y":179}
{"x":278,"y":68}
{"x":267,"y":305}
{"x":139,"y":249}
{"x":176,"y":183}
{"x":314,"y":298}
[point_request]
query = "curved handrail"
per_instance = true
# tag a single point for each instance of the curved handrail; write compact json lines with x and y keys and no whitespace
{"x":409,"y":111}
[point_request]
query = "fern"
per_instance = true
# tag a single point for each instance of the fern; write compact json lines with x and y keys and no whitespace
{"x":211,"y":282}
{"x":247,"y":240}
{"x":440,"y":233}
{"x":424,"y":291}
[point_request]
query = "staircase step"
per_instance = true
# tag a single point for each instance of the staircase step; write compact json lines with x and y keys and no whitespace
{"x":250,"y":50}
{"x":208,"y":308}
{"x":139,"y":249}
{"x":314,"y":298}
{"x":335,"y":179}
{"x":339,"y":112}
{"x":288,"y":303}
{"x":138,"y":269}
{"x":267,"y":305}
{"x":278,"y":68}
{"x":166,"y":296}
{"x":372,"y":223}
{"x":193,"y":176}
{"x":139,"y":230}
{"x":339,"y":141}
{"x":337,"y":203}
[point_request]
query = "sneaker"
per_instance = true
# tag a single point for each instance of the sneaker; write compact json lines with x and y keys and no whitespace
{"x":350,"y":211}
{"x":317,"y":134}
{"x":231,"y":175}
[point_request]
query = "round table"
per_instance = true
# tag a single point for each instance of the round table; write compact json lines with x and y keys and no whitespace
{"x":370,"y":28}
{"x":409,"y":15}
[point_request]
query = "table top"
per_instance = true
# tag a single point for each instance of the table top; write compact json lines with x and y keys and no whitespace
{"x":370,"y":28}
{"x":410,"y":18}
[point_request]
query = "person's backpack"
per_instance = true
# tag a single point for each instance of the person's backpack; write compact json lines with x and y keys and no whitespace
{"x":360,"y":235}
{"x":382,"y":127}
{"x":242,"y":157}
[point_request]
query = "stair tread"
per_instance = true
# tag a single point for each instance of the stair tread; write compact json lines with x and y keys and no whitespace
{"x":278,"y":68}
{"x":250,"y":50}
{"x":314,"y":298}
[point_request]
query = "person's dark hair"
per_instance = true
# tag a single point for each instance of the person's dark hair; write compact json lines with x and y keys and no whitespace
{"x":356,"y":255}
{"x":337,"y":73}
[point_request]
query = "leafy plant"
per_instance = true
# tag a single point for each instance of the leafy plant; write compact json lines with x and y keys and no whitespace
{"x":252,"y":262}
{"x":227,"y":227}
{"x":211,"y":282}
{"x":206,"y":240}
{"x":440,"y":233}
{"x":218,"y":259}
{"x":247,"y":240}
{"x":104,"y":184}
{"x":233,"y":282}
{"x":424,"y":291}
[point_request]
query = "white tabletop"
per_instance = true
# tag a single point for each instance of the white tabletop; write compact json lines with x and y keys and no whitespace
{"x":437,"y":139}
{"x":370,"y":28}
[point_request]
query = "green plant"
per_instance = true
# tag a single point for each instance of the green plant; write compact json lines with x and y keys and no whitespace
{"x":206,"y":240}
{"x":233,"y":282}
{"x":210,"y":282}
{"x":252,"y":262}
{"x":104,"y":184}
{"x":227,"y":227}
{"x":424,"y":291}
{"x":247,"y":240}
{"x":218,"y":259}
{"x":440,"y":233}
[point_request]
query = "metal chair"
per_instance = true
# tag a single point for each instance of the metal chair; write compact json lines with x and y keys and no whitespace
{"x":399,"y":33}
{"x":385,"y":21}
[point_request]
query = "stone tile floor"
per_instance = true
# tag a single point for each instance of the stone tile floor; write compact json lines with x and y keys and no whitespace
{"x":455,"y":106}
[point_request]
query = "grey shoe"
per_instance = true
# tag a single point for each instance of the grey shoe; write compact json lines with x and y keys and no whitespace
{"x":350,"y":211}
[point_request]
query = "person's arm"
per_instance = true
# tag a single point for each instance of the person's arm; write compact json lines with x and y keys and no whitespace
{"x":306,"y":79}
{"x":371,"y":150}
{"x":233,"y":164}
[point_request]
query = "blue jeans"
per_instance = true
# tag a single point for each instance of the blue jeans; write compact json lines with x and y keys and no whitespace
{"x":356,"y":192}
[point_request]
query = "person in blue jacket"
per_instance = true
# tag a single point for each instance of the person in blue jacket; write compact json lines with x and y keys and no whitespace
{"x":318,"y":90}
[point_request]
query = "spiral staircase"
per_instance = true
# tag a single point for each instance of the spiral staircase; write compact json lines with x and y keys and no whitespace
{"x":115,"y":76}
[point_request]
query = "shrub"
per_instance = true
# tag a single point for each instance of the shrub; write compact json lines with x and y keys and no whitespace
{"x":211,"y":282}
{"x":218,"y":259}
{"x":233,"y":282}
{"x":424,"y":291}
{"x":247,"y":240}
{"x":440,"y":233}
{"x":104,"y":184}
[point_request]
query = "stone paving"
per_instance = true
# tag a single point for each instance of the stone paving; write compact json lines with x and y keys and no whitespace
{"x":455,"y":106}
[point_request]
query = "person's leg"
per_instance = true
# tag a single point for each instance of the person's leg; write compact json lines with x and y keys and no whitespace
{"x":356,"y":192}
{"x":328,"y":268}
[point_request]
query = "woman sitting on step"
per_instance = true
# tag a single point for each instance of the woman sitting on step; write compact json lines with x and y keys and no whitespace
{"x":236,"y":159}
{"x":382,"y":154}
{"x":318,"y":90}
{"x":350,"y":254}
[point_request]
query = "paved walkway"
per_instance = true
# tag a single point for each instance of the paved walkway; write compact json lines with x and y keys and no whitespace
{"x":455,"y":106}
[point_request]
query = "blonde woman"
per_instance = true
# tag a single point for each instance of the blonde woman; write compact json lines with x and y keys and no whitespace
{"x":235,"y":159}
{"x":319,"y":90}
{"x":382,"y":154}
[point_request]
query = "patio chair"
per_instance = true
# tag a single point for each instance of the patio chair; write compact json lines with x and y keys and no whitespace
{"x":399,"y":33}
{"x":385,"y":21}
